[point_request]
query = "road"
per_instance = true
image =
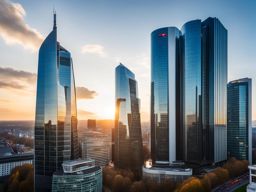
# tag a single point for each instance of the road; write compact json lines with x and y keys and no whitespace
{"x":233,"y":184}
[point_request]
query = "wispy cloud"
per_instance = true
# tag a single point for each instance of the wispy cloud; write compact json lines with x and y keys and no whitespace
{"x":14,"y":29}
{"x":85,"y":93}
{"x":16,"y":79}
{"x":94,"y":49}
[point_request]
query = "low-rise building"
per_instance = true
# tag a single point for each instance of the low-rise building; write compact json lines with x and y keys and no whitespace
{"x":157,"y":173}
{"x":252,"y":177}
{"x":77,"y":176}
{"x":8,"y":163}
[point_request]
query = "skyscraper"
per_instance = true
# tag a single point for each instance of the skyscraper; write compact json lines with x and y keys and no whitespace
{"x":164,"y":94}
{"x":214,"y":90}
{"x":239,"y":119}
{"x":188,"y":92}
{"x":127,"y":135}
{"x":56,"y":138}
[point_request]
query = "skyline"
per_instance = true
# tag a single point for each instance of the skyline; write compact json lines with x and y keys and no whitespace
{"x":100,"y":45}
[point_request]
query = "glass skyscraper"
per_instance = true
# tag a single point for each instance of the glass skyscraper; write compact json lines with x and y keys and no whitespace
{"x":164,"y":94}
{"x":56,"y":138}
{"x":127,"y":134}
{"x":188,"y":92}
{"x":239,"y":119}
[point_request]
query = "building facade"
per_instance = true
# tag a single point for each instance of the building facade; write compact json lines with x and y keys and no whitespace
{"x":77,"y":176}
{"x":97,"y":146}
{"x":188,"y":93}
{"x":239,"y":119}
{"x":127,"y":133}
{"x":56,"y":138}
{"x":164,"y":93}
{"x":8,"y":163}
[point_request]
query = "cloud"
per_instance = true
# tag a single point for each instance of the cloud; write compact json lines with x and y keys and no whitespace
{"x":16,"y":79}
{"x":84,"y":93}
{"x":13,"y":28}
{"x":11,"y":85}
{"x":94,"y":49}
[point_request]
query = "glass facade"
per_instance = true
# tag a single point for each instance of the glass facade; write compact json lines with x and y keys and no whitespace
{"x":89,"y":180}
{"x":127,"y":135}
{"x":164,"y":92}
{"x":214,"y":49}
{"x":56,"y":121}
{"x":192,"y":98}
{"x":188,"y":92}
{"x":239,"y":119}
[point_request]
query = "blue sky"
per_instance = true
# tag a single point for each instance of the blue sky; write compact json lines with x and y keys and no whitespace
{"x":119,"y":31}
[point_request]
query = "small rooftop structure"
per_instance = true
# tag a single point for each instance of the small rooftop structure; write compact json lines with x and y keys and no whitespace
{"x":73,"y":166}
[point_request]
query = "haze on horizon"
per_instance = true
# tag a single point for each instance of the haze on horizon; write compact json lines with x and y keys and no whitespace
{"x":99,"y":35}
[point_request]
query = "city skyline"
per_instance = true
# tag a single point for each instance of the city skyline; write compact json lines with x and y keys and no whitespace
{"x":97,"y":41}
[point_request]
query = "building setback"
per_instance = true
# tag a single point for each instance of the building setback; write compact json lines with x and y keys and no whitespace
{"x":56,"y":138}
{"x":127,"y":135}
{"x":188,"y":93}
{"x":239,"y":119}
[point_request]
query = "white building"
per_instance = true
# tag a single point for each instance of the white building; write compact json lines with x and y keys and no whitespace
{"x":252,"y":185}
{"x":8,"y":163}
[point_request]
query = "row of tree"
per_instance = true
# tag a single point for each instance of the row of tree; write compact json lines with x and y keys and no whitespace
{"x":231,"y":169}
{"x":116,"y":180}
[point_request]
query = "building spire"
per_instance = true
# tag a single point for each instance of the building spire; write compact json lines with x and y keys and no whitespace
{"x":54,"y":19}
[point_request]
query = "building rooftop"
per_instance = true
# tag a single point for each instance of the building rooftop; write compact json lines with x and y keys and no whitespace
{"x":82,"y":172}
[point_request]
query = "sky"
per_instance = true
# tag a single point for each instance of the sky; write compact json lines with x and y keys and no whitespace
{"x":102,"y":33}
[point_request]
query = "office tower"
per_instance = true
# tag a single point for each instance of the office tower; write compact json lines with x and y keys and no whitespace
{"x":214,"y":99}
{"x":164,"y":94}
{"x":97,"y":145}
{"x":56,"y":137}
{"x":239,"y":119}
{"x":188,"y":93}
{"x":127,"y":135}
{"x":91,"y":124}
{"x":78,"y":175}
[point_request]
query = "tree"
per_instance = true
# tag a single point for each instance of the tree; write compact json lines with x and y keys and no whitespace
{"x":21,"y":179}
{"x":146,"y":153}
{"x":138,"y":186}
{"x":118,"y":183}
{"x":191,"y":184}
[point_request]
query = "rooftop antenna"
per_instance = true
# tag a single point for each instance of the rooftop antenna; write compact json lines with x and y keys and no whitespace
{"x":54,"y":18}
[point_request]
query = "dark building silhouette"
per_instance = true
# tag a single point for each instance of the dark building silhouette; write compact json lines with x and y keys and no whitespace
{"x":91,"y":124}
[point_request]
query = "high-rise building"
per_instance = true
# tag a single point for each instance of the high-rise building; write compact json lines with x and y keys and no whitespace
{"x":77,"y":176}
{"x":164,"y":94}
{"x":56,"y":138}
{"x":188,"y":92}
{"x":239,"y":119}
{"x":214,"y":90}
{"x":127,"y":134}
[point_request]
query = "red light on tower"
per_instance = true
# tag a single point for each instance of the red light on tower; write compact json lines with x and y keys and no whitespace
{"x":162,"y":35}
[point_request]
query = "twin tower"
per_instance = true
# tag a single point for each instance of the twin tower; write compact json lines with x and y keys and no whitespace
{"x":188,"y":93}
